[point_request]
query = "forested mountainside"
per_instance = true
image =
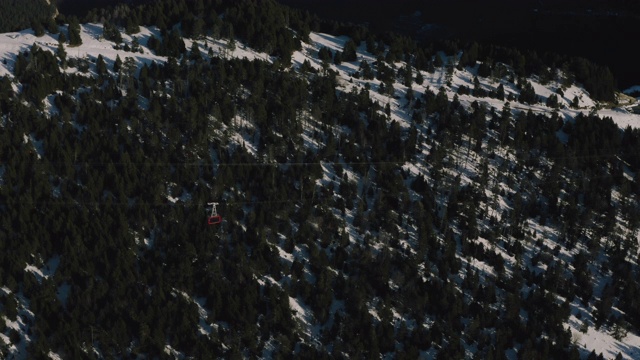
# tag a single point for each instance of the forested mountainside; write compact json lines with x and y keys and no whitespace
{"x":379,"y":198}
{"x":36,"y":14}
{"x":598,"y":30}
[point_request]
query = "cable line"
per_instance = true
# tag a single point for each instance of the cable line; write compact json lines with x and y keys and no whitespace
{"x":120,"y":163}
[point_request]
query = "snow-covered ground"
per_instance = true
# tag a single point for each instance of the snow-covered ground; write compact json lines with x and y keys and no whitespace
{"x":603,"y":342}
{"x":620,"y":115}
{"x":93,"y":44}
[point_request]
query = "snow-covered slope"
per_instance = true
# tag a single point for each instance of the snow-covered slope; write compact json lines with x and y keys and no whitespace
{"x":94,"y":45}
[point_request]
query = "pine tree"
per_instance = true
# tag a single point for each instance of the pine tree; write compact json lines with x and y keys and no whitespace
{"x":74,"y":32}
{"x":349,"y":52}
{"x":195,"y":54}
{"x":132,"y":24}
{"x":62,"y":55}
{"x":38,"y":28}
{"x":337,"y":58}
{"x":407,"y":75}
{"x":101,"y":66}
{"x":52,"y":26}
{"x":552,"y":101}
{"x":438,"y":62}
{"x":11,"y":307}
{"x":527,"y":94}
{"x":110,"y":32}
{"x":117,"y":65}
{"x":419,"y":78}
{"x":366,"y":70}
{"x":500,"y":92}
{"x":61,"y":37}
{"x":575,"y":103}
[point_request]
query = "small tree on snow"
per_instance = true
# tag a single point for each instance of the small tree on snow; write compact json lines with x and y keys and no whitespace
{"x":349,"y":52}
{"x":74,"y":32}
{"x":62,"y":55}
{"x":419,"y":78}
{"x":552,"y":101}
{"x":575,"y":103}
{"x":619,"y":330}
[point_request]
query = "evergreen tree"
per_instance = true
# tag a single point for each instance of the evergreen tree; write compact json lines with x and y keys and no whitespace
{"x":575,"y":103}
{"x":117,"y":64}
{"x":527,"y":94}
{"x":419,"y":78}
{"x":132,"y":26}
{"x":552,"y":101}
{"x":38,"y":28}
{"x":74,"y":32}
{"x":110,"y":32}
{"x":62,"y":55}
{"x":438,"y":62}
{"x":61,"y":37}
{"x":195,"y":54}
{"x":337,"y":58}
{"x":500,"y":92}
{"x":101,"y":66}
{"x":349,"y":52}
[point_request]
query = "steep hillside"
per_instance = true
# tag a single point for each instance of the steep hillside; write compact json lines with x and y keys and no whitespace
{"x":598,"y":30}
{"x":377,"y":199}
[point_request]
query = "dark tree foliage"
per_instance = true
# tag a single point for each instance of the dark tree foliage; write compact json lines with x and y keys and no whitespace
{"x":74,"y":32}
{"x":111,"y":32}
{"x":528,"y":94}
{"x":552,"y":101}
{"x":19,"y":15}
{"x":597,"y":79}
{"x":349,"y":51}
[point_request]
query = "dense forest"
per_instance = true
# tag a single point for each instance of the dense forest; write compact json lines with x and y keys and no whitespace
{"x":36,"y":14}
{"x":598,"y":30}
{"x":463,"y":232}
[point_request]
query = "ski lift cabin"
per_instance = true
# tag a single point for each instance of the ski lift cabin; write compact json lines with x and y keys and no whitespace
{"x":214,"y":218}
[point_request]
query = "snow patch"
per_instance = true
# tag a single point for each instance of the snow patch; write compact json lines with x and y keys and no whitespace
{"x":603,"y":342}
